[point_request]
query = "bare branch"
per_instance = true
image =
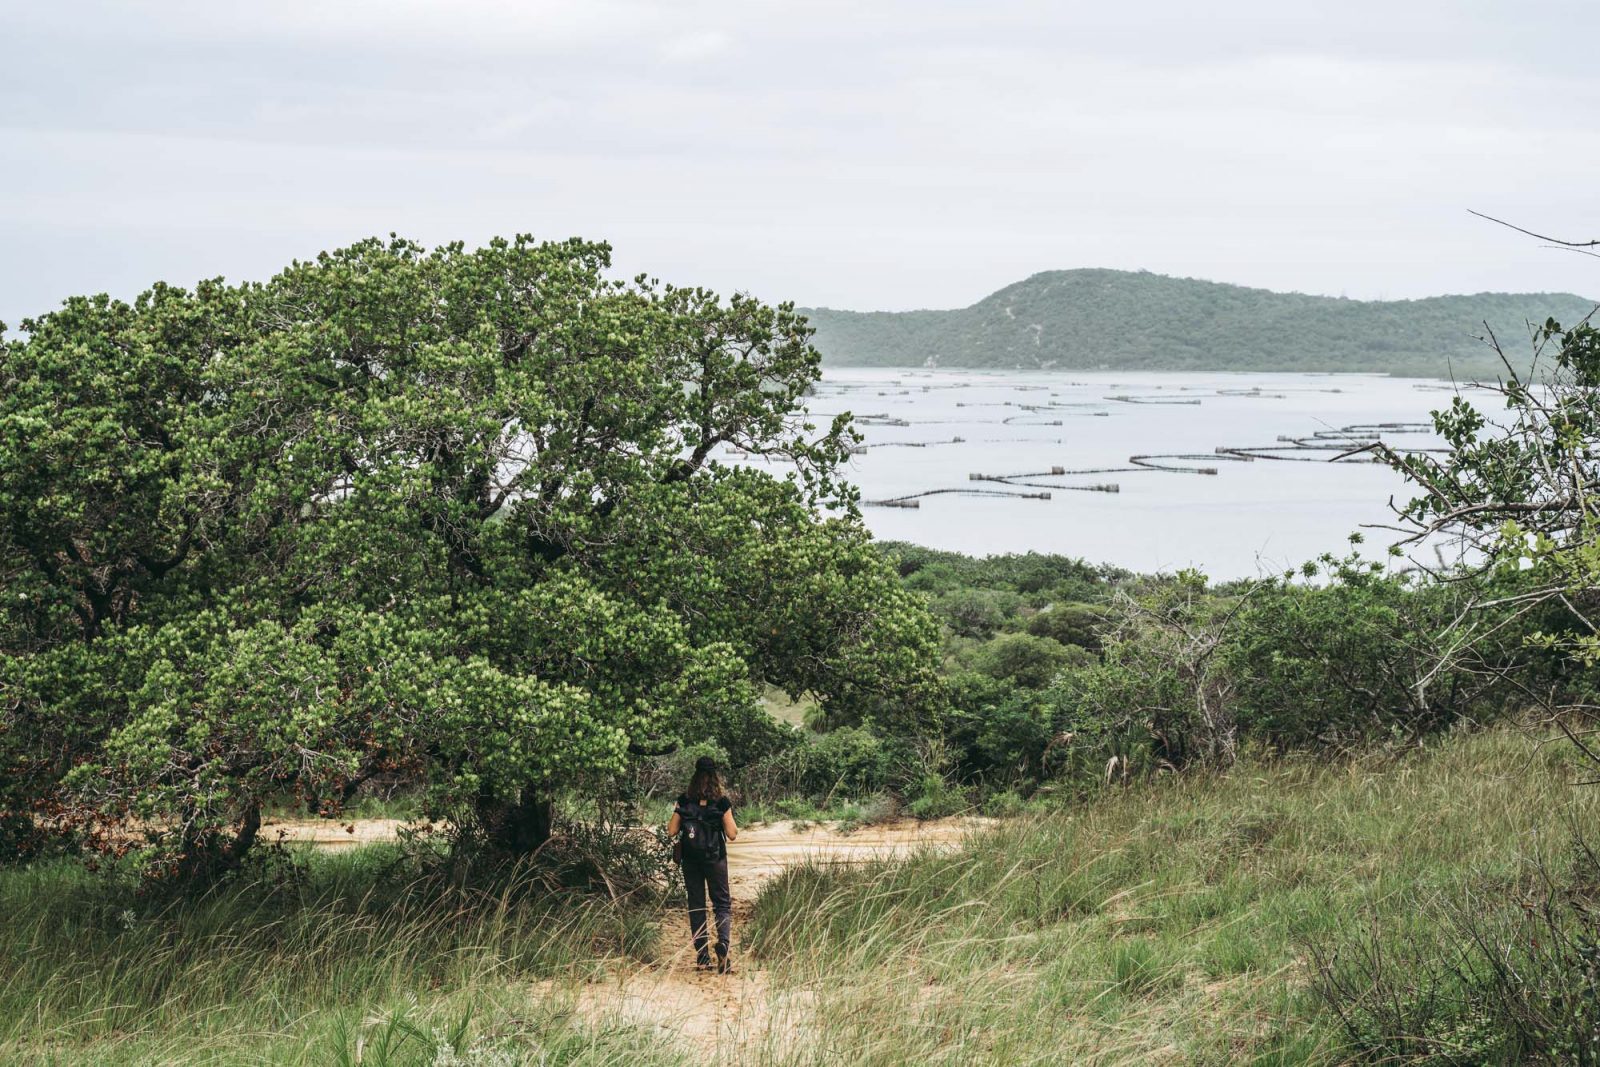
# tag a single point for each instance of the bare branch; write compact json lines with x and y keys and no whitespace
{"x":1530,"y":233}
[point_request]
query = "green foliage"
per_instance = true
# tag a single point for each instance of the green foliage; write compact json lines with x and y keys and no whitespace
{"x":845,"y":763}
{"x":1345,"y":654}
{"x":1161,"y":673}
{"x":449,"y":515}
{"x":1156,"y":698}
{"x":933,"y":797}
{"x":1520,"y":489}
{"x":933,"y":571}
{"x":1071,"y":624}
{"x":269,"y":966}
{"x":851,"y":761}
{"x":1361,"y":655}
{"x":1004,"y":805}
{"x":1097,"y":319}
{"x":1171,"y":923}
{"x":1492,"y":977}
{"x":997,"y":732}
{"x":975,"y":612}
{"x":1027,"y":661}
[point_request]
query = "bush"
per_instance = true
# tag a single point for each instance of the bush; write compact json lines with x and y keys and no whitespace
{"x":1010,"y":741}
{"x":1004,"y":805}
{"x":932,"y":797}
{"x":1033,"y":573}
{"x":1189,"y":674}
{"x":1071,"y":624}
{"x":21,"y":839}
{"x":874,"y":811}
{"x":1028,"y":661}
{"x":1363,"y":656}
{"x":993,"y":732}
{"x":850,"y":762}
{"x":975,"y":612}
{"x":625,"y":863}
{"x":1508,"y":982}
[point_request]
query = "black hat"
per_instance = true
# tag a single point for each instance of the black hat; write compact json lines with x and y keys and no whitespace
{"x":706,"y":763}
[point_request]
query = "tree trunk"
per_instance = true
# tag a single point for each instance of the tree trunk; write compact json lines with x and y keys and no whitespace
{"x":209,"y":858}
{"x":246,"y":837}
{"x":518,"y":828}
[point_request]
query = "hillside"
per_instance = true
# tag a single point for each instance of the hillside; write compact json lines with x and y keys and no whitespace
{"x":1201,"y":919}
{"x":1122,"y":320}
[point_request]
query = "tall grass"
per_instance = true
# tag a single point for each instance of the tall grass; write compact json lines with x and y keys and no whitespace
{"x":1175,"y":923}
{"x":1180,"y":922}
{"x":286,"y":972}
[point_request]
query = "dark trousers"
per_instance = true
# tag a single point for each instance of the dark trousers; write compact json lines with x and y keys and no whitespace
{"x":699,"y":876}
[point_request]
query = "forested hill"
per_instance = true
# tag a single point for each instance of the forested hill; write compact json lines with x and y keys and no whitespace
{"x":1120,"y":320}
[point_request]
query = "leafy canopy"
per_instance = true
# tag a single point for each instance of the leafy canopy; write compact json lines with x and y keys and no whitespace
{"x":453,"y":515}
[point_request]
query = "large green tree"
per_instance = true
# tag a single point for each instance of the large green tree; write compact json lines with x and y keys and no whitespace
{"x":455,"y":515}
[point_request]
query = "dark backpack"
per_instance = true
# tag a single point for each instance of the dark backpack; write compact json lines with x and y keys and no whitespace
{"x":700,"y":831}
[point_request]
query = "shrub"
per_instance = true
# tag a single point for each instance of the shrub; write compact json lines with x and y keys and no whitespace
{"x":847,"y":762}
{"x":1364,"y":655}
{"x":975,"y":612}
{"x":873,"y":811}
{"x":1004,"y":805}
{"x":1498,"y":979}
{"x":1071,"y":624}
{"x":1026,"y":660}
{"x":934,"y":571}
{"x":1010,"y":741}
{"x":932,"y":797}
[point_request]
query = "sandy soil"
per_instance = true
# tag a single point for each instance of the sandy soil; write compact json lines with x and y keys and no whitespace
{"x":331,"y":833}
{"x":761,"y":853}
{"x":671,"y":995}
{"x":749,"y":1014}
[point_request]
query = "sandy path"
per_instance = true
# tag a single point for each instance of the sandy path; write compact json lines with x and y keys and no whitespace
{"x":761,"y":853}
{"x":764,"y":852}
{"x":670,"y":995}
{"x":750,"y":1015}
{"x":332,"y":833}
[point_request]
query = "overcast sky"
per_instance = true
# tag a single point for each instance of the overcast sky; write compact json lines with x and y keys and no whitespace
{"x":854,"y":154}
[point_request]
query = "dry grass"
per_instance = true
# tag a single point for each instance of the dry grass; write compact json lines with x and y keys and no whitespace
{"x":1170,"y":923}
{"x":1166,"y":924}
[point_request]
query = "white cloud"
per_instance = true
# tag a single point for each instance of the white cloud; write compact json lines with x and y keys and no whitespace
{"x":695,"y":47}
{"x":888,"y":154}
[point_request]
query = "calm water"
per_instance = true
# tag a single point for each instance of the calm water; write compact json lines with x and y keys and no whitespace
{"x":1248,"y":518}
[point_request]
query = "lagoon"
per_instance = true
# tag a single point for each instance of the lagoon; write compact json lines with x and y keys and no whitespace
{"x":1249,"y":518}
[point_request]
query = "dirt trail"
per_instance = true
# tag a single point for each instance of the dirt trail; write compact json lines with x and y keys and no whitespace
{"x":332,"y":833}
{"x":761,"y":853}
{"x":764,"y":852}
{"x":670,"y":995}
{"x":674,"y":998}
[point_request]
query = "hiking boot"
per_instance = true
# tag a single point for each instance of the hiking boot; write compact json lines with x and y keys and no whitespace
{"x":702,"y":962}
{"x":723,"y":966}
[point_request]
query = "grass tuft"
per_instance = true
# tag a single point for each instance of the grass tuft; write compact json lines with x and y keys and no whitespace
{"x":1174,"y":923}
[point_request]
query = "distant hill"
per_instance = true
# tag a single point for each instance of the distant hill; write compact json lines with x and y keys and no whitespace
{"x":1123,"y":320}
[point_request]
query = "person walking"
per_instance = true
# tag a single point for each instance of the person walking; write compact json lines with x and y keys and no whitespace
{"x":701,"y":826}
